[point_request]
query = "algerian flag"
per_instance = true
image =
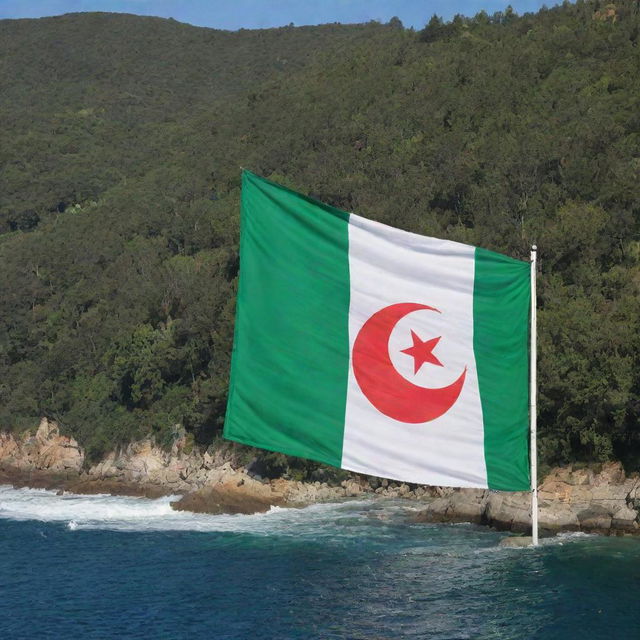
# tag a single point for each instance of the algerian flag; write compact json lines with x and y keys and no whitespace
{"x":377,"y":350}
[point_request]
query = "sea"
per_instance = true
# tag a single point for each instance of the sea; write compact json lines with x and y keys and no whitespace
{"x":116,"y":567}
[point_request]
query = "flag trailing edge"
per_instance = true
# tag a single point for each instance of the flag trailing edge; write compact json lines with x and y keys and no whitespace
{"x":377,"y":350}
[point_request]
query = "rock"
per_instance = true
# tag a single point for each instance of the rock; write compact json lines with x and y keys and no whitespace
{"x":46,"y":451}
{"x":436,"y":511}
{"x":599,"y":499}
{"x":625,"y":519}
{"x":594,"y":518}
{"x":509,"y":510}
{"x":117,"y":487}
{"x":633,"y":498}
{"x":516,"y":541}
{"x":555,"y":516}
{"x":8,"y":447}
{"x":581,"y":477}
{"x":463,"y":506}
{"x":47,"y":430}
{"x":352,"y":488}
{"x":230,"y":497}
{"x":605,"y":501}
{"x":170,"y":477}
{"x":612,"y":474}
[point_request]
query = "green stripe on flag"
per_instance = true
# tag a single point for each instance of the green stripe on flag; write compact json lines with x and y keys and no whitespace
{"x":290,"y":359}
{"x":501,"y":302}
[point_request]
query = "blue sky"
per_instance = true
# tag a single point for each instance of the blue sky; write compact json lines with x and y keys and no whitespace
{"x":254,"y":14}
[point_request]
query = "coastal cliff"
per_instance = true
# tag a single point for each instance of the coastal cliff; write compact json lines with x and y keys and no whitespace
{"x":208,"y":483}
{"x":601,"y":499}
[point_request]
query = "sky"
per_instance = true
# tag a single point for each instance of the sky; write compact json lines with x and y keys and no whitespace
{"x":259,"y":14}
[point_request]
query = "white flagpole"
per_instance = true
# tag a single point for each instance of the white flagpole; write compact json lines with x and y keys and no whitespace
{"x":533,"y":390}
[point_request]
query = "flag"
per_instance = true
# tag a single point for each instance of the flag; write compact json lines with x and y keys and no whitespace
{"x":377,"y":350}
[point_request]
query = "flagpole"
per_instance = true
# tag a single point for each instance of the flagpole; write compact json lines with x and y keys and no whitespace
{"x":533,"y":390}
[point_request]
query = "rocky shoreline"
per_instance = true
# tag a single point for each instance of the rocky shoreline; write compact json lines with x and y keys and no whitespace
{"x":601,"y":499}
{"x":207,"y":483}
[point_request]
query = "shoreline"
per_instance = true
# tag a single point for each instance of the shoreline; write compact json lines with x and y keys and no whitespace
{"x":600,"y":499}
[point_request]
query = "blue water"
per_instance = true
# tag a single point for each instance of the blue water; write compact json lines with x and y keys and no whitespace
{"x":112,"y":567}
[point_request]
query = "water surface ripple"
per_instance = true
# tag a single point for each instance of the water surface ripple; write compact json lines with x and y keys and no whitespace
{"x":112,"y":567}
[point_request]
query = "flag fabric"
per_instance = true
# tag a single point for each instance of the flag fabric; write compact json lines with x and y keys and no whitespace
{"x":377,"y":350}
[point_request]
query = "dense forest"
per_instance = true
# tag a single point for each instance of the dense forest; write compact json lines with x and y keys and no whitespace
{"x":121,"y":148}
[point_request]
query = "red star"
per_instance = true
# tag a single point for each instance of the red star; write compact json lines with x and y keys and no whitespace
{"x":422,"y":351}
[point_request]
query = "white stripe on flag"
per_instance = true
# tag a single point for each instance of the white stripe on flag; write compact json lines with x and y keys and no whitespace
{"x":389,"y":266}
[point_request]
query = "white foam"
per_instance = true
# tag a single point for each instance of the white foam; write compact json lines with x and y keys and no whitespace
{"x":568,"y":537}
{"x":141,"y":514}
{"x":560,"y":539}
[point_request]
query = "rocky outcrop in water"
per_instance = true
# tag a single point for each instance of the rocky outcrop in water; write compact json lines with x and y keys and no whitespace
{"x":600,"y":499}
{"x":235,"y":494}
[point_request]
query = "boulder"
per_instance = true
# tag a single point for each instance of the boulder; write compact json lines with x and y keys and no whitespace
{"x":352,"y":488}
{"x":231,"y":496}
{"x":463,"y":506}
{"x":594,"y":518}
{"x":509,"y":510}
{"x":625,"y":519}
{"x":403,"y":490}
{"x":556,"y":516}
{"x":516,"y":541}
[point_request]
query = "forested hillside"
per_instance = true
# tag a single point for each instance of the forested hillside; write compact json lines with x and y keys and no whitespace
{"x":121,"y":149}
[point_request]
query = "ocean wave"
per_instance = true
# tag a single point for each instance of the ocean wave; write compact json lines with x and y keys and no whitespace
{"x":81,"y":512}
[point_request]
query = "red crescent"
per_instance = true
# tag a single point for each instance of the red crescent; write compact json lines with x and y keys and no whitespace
{"x":383,"y":386}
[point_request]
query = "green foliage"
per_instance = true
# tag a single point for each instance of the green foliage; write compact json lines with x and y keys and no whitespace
{"x":119,"y":196}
